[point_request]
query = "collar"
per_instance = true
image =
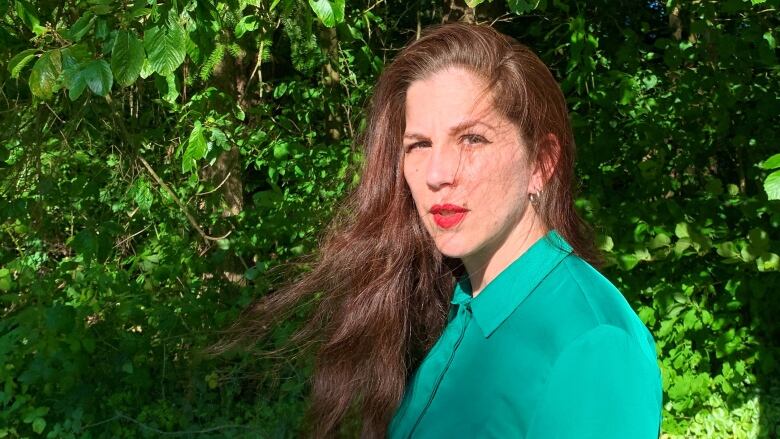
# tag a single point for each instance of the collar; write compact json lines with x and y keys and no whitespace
{"x":507,"y":290}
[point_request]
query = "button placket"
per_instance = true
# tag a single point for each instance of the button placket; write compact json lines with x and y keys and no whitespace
{"x":461,"y":320}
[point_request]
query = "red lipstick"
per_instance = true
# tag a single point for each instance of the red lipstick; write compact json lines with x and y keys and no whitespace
{"x":448,"y":215}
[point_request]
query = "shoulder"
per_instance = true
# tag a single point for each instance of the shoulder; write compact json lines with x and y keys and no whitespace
{"x":576,"y":302}
{"x":606,"y":305}
{"x":600,"y":385}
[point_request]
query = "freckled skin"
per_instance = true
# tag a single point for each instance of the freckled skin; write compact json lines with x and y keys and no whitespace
{"x":481,"y":167}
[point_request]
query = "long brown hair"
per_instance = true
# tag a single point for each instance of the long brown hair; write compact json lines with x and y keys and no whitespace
{"x":380,"y":286}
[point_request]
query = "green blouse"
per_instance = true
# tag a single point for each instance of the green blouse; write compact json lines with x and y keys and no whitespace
{"x":549,"y":349}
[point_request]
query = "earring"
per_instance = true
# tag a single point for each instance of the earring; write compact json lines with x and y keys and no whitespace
{"x":534,"y":198}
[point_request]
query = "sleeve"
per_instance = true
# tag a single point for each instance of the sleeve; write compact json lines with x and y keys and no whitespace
{"x":601,"y":386}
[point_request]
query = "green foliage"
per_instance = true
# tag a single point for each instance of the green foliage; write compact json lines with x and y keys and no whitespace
{"x":329,"y":12}
{"x":127,"y":58}
{"x":772,"y":182}
{"x":196,"y":148}
{"x":26,"y":13}
{"x":164,"y":43}
{"x":19,"y":61}
{"x":138,"y":220}
{"x":94,"y":74}
{"x":211,"y":62}
{"x":44,"y":75}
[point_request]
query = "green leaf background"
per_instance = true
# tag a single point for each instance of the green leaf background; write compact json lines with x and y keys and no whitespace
{"x":329,"y":12}
{"x":45,"y":74}
{"x":127,"y":58}
{"x":95,"y":75}
{"x":138,"y":221}
{"x":164,"y":44}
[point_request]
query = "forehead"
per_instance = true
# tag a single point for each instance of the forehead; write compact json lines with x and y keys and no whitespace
{"x":447,"y":98}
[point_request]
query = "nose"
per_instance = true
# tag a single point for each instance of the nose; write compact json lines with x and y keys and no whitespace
{"x":443,"y":165}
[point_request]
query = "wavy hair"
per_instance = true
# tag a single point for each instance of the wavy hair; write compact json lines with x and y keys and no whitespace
{"x":381,"y":289}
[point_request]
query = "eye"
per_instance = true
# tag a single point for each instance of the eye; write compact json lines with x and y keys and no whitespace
{"x":472,"y":139}
{"x":421,"y":144}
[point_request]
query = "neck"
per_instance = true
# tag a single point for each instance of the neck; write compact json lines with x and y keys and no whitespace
{"x":482,"y":267}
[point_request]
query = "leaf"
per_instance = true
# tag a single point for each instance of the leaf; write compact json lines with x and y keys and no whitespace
{"x":520,"y":7}
{"x":771,"y":163}
{"x":473,"y":3}
{"x":748,"y":253}
{"x":80,"y":27}
{"x":146,"y":69}
{"x":95,"y":74}
{"x":143,"y":195}
{"x":196,"y":148}
{"x":627,"y":261}
{"x":21,"y":59}
{"x":727,"y":250}
{"x":681,"y":245}
{"x":305,"y":52}
{"x":38,"y":425}
{"x":281,"y":150}
{"x":772,"y":186}
{"x":280,"y":89}
{"x":647,"y":315}
{"x":216,"y":56}
{"x":219,"y":137}
{"x":770,"y":39}
{"x":172,"y":92}
{"x":166,"y":45}
{"x":606,"y":243}
{"x":246,"y":24}
{"x":768,"y":262}
{"x":689,"y":319}
{"x":643,"y":255}
{"x":127,"y":58}
{"x":660,"y":240}
{"x":75,"y":54}
{"x":102,"y":9}
{"x":649,"y":82}
{"x":6,"y":281}
{"x":329,"y":12}
{"x":682,"y":231}
{"x":45,"y":73}
{"x":26,"y":13}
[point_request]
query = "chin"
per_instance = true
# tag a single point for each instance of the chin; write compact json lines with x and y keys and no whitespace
{"x":453,"y":249}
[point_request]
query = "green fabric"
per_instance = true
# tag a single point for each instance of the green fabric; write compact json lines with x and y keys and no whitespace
{"x":549,"y":349}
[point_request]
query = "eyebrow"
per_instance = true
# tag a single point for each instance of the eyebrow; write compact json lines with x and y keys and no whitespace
{"x":454,"y":130}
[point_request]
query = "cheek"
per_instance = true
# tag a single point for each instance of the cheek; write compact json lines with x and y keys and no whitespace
{"x":495,"y":178}
{"x":411,"y":169}
{"x":413,"y":179}
{"x":499,"y":186}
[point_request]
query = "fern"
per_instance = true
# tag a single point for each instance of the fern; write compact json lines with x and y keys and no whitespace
{"x":214,"y":58}
{"x":235,"y":50}
{"x":305,"y":53}
{"x":265,"y":47}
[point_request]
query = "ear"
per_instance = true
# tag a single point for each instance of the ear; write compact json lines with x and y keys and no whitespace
{"x":547,"y":154}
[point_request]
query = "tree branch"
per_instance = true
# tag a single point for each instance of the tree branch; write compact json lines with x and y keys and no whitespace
{"x":181,"y":205}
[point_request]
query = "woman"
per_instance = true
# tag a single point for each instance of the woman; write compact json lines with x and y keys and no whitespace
{"x":456,"y":297}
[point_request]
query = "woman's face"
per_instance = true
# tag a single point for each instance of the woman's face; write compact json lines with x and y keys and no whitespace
{"x":466,"y":167}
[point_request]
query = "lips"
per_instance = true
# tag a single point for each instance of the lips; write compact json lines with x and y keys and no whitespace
{"x":448,"y":215}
